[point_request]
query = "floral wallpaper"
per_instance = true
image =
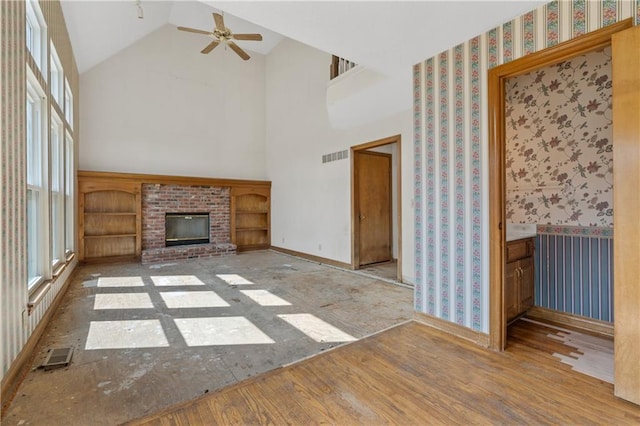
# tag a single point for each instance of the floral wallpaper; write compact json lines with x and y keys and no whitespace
{"x":559,"y":160}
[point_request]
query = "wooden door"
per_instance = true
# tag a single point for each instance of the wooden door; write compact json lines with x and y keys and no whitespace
{"x":626,"y":208}
{"x":373,"y":181}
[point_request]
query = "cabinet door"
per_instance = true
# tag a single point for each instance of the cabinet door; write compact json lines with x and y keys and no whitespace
{"x":511,"y":290}
{"x":526,"y":284}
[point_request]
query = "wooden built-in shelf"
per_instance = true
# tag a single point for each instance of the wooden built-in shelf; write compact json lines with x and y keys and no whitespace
{"x":109,"y":219}
{"x":251,"y":218}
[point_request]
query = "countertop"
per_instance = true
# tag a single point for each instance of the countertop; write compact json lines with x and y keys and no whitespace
{"x":519,"y":231}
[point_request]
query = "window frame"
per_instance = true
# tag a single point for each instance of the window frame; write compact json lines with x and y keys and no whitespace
{"x":57,"y":191}
{"x":37,"y":181}
{"x":34,"y":19}
{"x":57,"y":79}
{"x":68,"y":103}
{"x":69,"y":196}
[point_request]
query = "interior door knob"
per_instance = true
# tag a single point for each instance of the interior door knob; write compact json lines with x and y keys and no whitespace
{"x":361,"y":217}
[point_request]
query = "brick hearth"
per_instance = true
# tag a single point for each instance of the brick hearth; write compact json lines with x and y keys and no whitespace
{"x":158,"y":199}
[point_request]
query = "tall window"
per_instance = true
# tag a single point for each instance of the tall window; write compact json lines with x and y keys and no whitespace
{"x":36,"y":182}
{"x":68,"y":103}
{"x":69,"y":201}
{"x":36,"y":34}
{"x":57,"y":191}
{"x":57,"y":77}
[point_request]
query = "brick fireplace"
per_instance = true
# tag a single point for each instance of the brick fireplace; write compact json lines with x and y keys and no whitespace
{"x":160,"y":199}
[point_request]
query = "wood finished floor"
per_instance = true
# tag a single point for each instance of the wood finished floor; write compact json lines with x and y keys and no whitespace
{"x":414,"y":374}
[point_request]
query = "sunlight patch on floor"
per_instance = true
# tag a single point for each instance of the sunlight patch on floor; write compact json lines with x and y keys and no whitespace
{"x":265,"y":298}
{"x":220,"y":331}
{"x":125,"y":335}
{"x":120,"y":282}
{"x":317,"y":329}
{"x":234,"y":279}
{"x":192,"y":299}
{"x":123,"y":301}
{"x":176,"y":280}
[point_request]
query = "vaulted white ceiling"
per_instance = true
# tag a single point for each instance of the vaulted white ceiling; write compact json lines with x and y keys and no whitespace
{"x":386,"y":36}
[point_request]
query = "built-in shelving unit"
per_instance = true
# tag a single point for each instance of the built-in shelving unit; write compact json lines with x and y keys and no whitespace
{"x":250,"y":218}
{"x":109,"y":220}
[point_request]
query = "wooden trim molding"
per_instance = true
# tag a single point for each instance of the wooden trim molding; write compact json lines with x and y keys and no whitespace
{"x":562,"y":318}
{"x":496,"y":82}
{"x":169,"y":180}
{"x":457,"y":330}
{"x":313,"y":258}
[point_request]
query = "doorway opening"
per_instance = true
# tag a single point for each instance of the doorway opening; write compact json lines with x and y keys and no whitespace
{"x":498,"y":77}
{"x":376,"y":208}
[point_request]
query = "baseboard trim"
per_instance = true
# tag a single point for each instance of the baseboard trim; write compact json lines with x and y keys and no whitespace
{"x":562,"y":318}
{"x":480,"y":339}
{"x":313,"y":258}
{"x":21,"y":365}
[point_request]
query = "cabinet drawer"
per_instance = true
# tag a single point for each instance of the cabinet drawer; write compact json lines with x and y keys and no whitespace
{"x":519,"y":249}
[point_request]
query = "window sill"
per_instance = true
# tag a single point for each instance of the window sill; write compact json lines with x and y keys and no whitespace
{"x":37,"y":294}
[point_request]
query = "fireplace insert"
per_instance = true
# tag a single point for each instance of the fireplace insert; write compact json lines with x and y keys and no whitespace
{"x":186,"y":228}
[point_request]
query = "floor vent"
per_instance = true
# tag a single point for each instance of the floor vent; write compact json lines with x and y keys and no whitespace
{"x":59,"y":357}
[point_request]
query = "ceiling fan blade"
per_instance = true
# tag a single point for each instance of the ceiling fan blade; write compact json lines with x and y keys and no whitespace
{"x":219,"y":21}
{"x":210,"y":47}
{"x":255,"y":37}
{"x":239,"y":51}
{"x":193,"y":30}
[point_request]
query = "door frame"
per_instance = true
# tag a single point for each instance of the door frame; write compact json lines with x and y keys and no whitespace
{"x":497,"y":191}
{"x":355,"y":192}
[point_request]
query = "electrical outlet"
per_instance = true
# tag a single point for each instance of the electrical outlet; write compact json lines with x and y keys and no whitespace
{"x":319,"y":247}
{"x":282,"y":240}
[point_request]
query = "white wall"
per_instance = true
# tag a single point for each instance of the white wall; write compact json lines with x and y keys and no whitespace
{"x":311,"y":204}
{"x":162,"y":107}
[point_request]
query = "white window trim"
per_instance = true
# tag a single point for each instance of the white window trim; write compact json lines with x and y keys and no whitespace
{"x":68,"y":103}
{"x":34,"y":91}
{"x":35,"y":17}
{"x":57,"y":246}
{"x":70,"y":196}
{"x":56,"y":81}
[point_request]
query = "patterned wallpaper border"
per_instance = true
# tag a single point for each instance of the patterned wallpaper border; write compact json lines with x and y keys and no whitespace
{"x":576,"y":231}
{"x":451,"y":156}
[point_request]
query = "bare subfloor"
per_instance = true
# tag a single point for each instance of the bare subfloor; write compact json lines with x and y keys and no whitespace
{"x":141,"y":343}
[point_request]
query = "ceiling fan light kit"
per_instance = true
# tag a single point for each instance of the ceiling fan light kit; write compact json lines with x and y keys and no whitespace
{"x":223,"y":35}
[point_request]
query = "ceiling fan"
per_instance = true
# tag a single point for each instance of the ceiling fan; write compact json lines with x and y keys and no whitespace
{"x":222,"y":34}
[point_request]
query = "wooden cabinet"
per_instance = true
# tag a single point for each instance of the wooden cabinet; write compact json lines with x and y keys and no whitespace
{"x":109,"y":223}
{"x":519,"y":278}
{"x":251,"y":218}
